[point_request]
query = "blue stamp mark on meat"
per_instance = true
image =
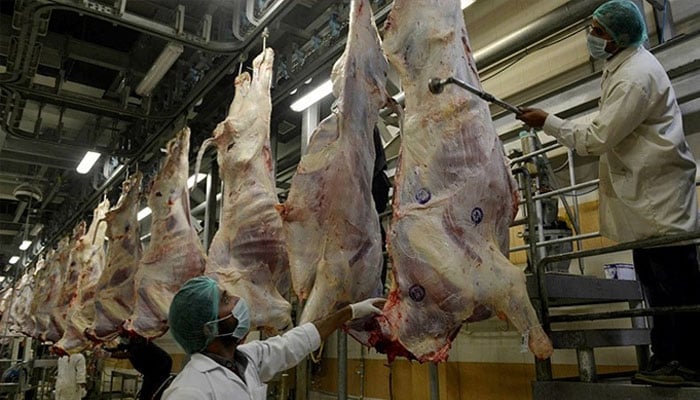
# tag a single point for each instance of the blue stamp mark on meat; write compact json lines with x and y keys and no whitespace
{"x":423,"y":196}
{"x":477,"y":215}
{"x":416,"y":293}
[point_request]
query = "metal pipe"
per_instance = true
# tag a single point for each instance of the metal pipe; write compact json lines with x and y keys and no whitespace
{"x":586,"y":365}
{"x":342,"y":365}
{"x":636,"y":312}
{"x":528,"y":156}
{"x":514,"y":43}
{"x":543,"y":368}
{"x":551,"y":193}
{"x":577,"y":213}
{"x":559,"y":240}
{"x":653,"y":242}
{"x":362,"y":373}
{"x":436,"y":86}
{"x":166,"y":32}
{"x":434,"y":383}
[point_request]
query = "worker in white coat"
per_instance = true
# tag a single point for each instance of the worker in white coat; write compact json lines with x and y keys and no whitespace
{"x":647,"y":180}
{"x":210,"y":324}
{"x":70,"y":377}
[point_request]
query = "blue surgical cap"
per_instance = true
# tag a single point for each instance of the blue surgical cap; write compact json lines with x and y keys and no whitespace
{"x":195,"y":304}
{"x":623,"y":20}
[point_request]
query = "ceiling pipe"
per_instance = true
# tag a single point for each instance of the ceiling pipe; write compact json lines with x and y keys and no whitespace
{"x":545,"y":26}
{"x":163,"y":31}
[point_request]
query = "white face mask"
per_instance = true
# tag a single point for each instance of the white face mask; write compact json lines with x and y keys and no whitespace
{"x":596,"y":47}
{"x":242,"y":313}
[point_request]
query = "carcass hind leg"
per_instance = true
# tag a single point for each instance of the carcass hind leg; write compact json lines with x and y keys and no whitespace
{"x":514,"y":302}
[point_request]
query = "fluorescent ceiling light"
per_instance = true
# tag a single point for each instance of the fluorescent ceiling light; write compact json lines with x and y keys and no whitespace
{"x":14,"y":259}
{"x":191,"y":182}
{"x":165,"y":60}
{"x":313,"y":96}
{"x":89,"y":159}
{"x":467,"y":3}
{"x":25,"y":245}
{"x":143,"y":213}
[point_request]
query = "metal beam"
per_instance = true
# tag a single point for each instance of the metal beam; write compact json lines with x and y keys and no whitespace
{"x":142,"y":24}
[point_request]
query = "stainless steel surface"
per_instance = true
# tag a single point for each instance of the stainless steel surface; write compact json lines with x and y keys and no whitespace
{"x":342,"y":338}
{"x":437,"y":85}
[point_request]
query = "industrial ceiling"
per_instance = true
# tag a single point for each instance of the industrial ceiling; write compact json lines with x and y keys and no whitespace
{"x":69,"y":82}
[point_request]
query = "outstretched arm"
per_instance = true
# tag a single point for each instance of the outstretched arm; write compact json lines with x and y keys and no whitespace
{"x":330,"y":323}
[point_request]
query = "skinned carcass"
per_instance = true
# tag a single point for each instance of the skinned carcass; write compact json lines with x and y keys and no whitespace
{"x":20,"y":316}
{"x":175,"y":253}
{"x":16,"y":310}
{"x":454,"y":197}
{"x":46,"y":298}
{"x":70,"y":265}
{"x":115,"y":294}
{"x":39,"y":283}
{"x":330,"y":219}
{"x":248,"y":256}
{"x":90,"y":255}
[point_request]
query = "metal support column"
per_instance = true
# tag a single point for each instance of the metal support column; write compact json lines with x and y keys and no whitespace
{"x":576,"y":221}
{"x":301,"y":390}
{"x":643,"y":352}
{"x":665,"y":28}
{"x":543,"y":368}
{"x":342,"y":365}
{"x":434,"y":383}
{"x":586,"y":364}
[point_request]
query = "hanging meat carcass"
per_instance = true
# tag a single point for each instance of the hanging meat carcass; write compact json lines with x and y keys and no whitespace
{"x":38,"y":285}
{"x":46,"y":298}
{"x":91,"y":260}
{"x":115,"y":295}
{"x":70,"y":266}
{"x":175,"y":253}
{"x":331,"y":223}
{"x":16,"y":309}
{"x":248,"y":256}
{"x":20,"y":316}
{"x":454,"y":196}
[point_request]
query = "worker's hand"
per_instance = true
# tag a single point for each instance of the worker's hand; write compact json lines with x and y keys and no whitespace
{"x":367,"y":307}
{"x":83,"y":390}
{"x":533,"y":117}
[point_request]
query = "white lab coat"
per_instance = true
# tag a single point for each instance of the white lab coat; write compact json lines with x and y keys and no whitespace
{"x":70,"y":376}
{"x":204,"y":379}
{"x":646,"y":169}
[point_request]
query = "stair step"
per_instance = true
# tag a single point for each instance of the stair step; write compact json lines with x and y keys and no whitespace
{"x":568,"y":289}
{"x":592,"y":338}
{"x":548,"y":390}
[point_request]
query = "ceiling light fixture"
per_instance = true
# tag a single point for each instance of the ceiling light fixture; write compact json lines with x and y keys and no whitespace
{"x":14,"y":259}
{"x":143,"y":213}
{"x":191,"y":182}
{"x":313,"y":96}
{"x":25,"y":245}
{"x":165,"y":60}
{"x":467,"y":3}
{"x":89,"y":159}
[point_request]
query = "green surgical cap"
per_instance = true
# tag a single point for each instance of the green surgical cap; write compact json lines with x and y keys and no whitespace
{"x":623,"y":20}
{"x":195,"y":304}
